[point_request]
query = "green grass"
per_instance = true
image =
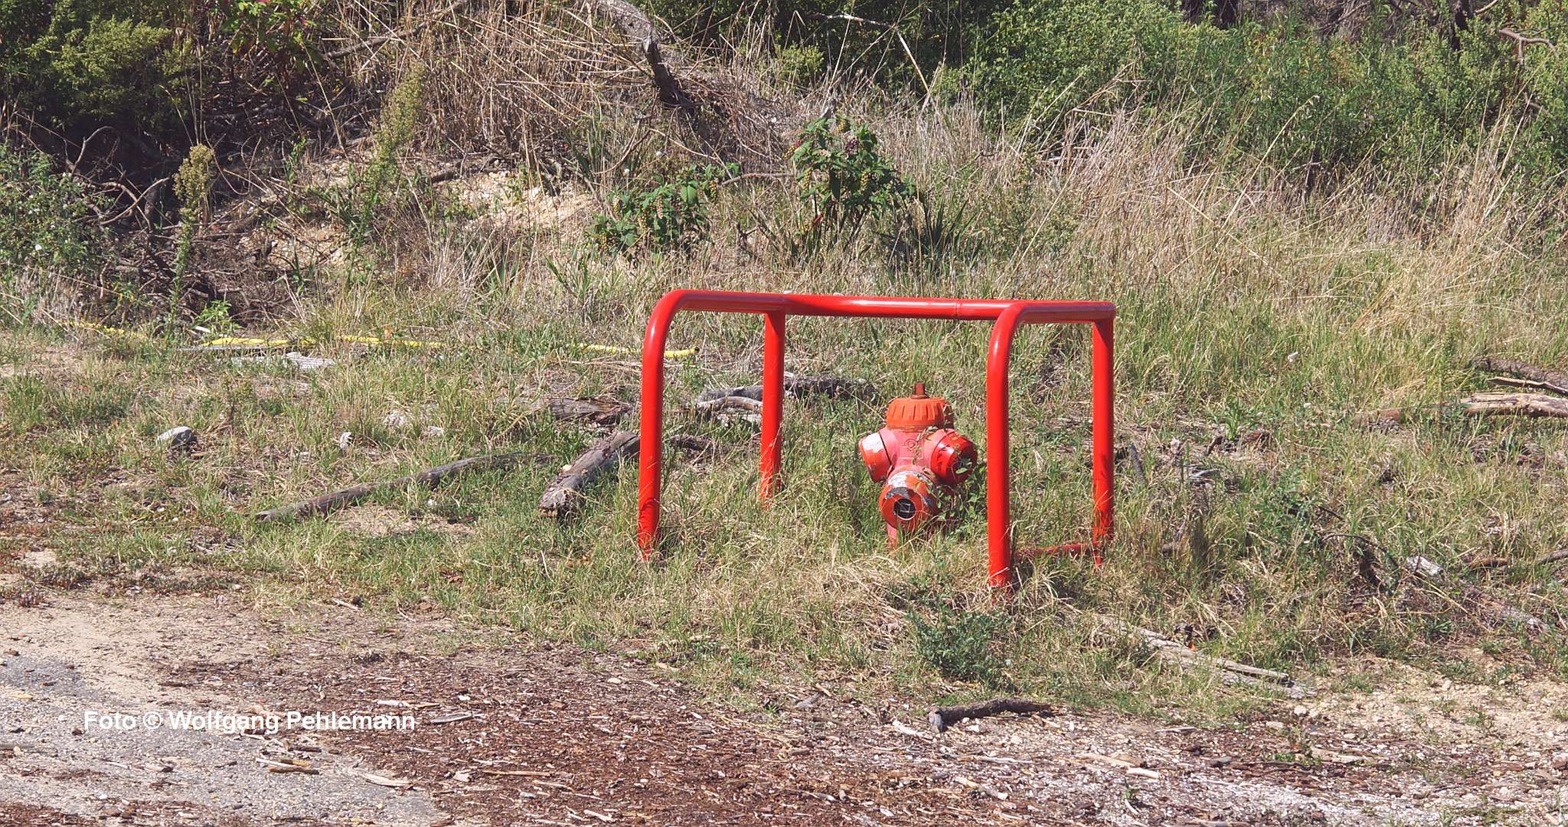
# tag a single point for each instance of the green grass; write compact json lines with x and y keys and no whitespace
{"x":1248,"y":323}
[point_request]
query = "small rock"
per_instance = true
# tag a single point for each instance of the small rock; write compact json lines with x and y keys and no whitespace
{"x":1559,"y":759}
{"x":396,"y":420}
{"x":344,"y":439}
{"x":1274,"y":724}
{"x":1422,"y":566}
{"x":433,"y":432}
{"x":178,"y":439}
{"x":307,"y":364}
{"x":1299,"y":710}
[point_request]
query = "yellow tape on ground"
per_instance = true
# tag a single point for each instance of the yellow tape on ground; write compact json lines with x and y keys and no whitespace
{"x":243,"y":341}
{"x":105,"y":329}
{"x":626,"y":351}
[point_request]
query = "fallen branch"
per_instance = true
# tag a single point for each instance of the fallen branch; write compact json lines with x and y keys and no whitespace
{"x":1545,"y":378}
{"x":639,"y":27}
{"x":746,"y":400}
{"x":722,"y":407}
{"x":1230,"y":670}
{"x":1520,"y":41}
{"x":563,"y":495}
{"x":943,"y":717}
{"x":598,"y":410}
{"x":429,"y":478}
{"x":832,"y":387}
{"x":1481,"y":404}
{"x":1493,"y":562}
{"x":1515,"y":404}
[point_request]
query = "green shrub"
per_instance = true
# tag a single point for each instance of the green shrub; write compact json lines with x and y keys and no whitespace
{"x":1403,"y":97}
{"x":1546,"y":82}
{"x":961,"y":645}
{"x":843,"y":179}
{"x":671,"y":216}
{"x":82,"y":63}
{"x":48,"y":235}
{"x":1047,"y":57}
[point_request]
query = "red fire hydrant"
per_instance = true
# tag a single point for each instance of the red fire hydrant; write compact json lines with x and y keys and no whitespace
{"x":921,"y":461}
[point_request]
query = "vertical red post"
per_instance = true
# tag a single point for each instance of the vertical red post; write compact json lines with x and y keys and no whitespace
{"x":772,"y":401}
{"x":1103,"y":396}
{"x":998,"y":474}
{"x":650,"y":446}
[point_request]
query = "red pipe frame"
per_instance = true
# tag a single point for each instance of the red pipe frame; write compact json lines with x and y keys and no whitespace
{"x":1007,"y":316}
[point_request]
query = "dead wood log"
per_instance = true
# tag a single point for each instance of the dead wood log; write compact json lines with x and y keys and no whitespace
{"x":429,"y":478}
{"x":1481,"y":404}
{"x":637,"y":26}
{"x":943,"y":717}
{"x":1515,"y":404}
{"x":1541,"y":378}
{"x":1494,"y":562}
{"x":597,"y":410}
{"x":725,"y":408}
{"x":563,"y":495}
{"x":1179,"y":654}
{"x":832,"y":387}
{"x":745,"y":401}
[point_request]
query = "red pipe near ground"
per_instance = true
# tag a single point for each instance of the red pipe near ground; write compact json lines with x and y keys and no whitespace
{"x":1008,"y":315}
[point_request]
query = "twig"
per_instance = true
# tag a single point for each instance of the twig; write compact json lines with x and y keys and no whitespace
{"x":1521,"y":41}
{"x":877,"y":24}
{"x":1179,"y":654}
{"x":1528,"y":383}
{"x":429,"y":478}
{"x":372,"y":42}
{"x":943,"y":717}
{"x":1552,"y":380}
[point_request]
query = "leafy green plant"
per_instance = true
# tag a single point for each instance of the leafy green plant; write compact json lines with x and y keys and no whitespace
{"x":671,"y":216}
{"x":960,"y":644}
{"x":281,"y":28}
{"x":81,"y":64}
{"x":843,"y":178}
{"x":193,"y":187}
{"x":47,"y":231}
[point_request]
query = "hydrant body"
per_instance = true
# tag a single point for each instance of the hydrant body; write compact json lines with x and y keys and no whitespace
{"x":920,"y":459}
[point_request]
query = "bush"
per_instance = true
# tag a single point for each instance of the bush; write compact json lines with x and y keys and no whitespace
{"x":48,"y":234}
{"x":843,"y":178}
{"x":1403,"y":96}
{"x":1047,"y":57}
{"x":961,"y":645}
{"x":671,"y":216}
{"x":92,"y":62}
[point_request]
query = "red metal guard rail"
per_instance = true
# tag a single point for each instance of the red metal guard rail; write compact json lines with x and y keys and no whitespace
{"x":1008,"y":315}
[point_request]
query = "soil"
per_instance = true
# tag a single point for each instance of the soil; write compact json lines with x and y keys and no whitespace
{"x":506,"y":732}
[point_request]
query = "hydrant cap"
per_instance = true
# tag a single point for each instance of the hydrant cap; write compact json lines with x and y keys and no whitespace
{"x":918,"y":412}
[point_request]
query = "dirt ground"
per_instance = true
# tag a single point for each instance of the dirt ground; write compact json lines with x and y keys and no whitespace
{"x":511,"y":733}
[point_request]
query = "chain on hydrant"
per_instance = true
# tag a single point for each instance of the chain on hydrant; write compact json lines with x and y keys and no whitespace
{"x":920,"y":459}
